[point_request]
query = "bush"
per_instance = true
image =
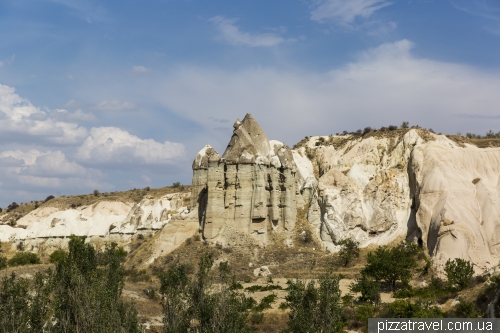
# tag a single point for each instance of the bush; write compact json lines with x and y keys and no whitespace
{"x":3,"y":262}
{"x":369,"y":289}
{"x":465,"y":309}
{"x":306,"y":236}
{"x":147,"y":188}
{"x":12,"y":222}
{"x":367,"y":130}
{"x":176,"y":184}
{"x":24,"y":258}
{"x":50,"y":197}
{"x":405,"y":124}
{"x":96,"y":193}
{"x":12,"y":206}
{"x":1,"y":210}
{"x":392,"y":128}
{"x":349,"y":249}
{"x":407,"y":309}
{"x":57,"y":256}
{"x":459,"y":272}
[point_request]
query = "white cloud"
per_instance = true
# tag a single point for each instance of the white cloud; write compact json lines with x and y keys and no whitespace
{"x":113,"y":105}
{"x":50,"y":169}
{"x":140,"y":70}
{"x":78,"y":115}
{"x":231,"y":34}
{"x":114,"y":146}
{"x":20,"y":121}
{"x":7,"y":61}
{"x":383,"y":86}
{"x":346,"y":11}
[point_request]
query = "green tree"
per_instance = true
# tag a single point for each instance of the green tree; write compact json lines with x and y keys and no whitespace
{"x":206,"y":303}
{"x":24,"y":305}
{"x":459,"y":272}
{"x":96,"y":193}
{"x":349,"y":249}
{"x":392,"y":265}
{"x":88,"y":288}
{"x":315,"y":308}
{"x":405,"y":124}
{"x":369,"y":289}
{"x":176,"y":184}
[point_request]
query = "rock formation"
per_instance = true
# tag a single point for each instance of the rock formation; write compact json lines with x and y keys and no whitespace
{"x":250,"y":189}
{"x":382,"y":188}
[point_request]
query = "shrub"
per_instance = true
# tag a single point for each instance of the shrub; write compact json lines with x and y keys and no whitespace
{"x":407,"y":309}
{"x":256,"y":318}
{"x":197,"y":238}
{"x":147,"y":188}
{"x":367,"y":130}
{"x":405,"y":124}
{"x":176,"y":184}
{"x":306,"y":236}
{"x":12,"y":222}
{"x":392,"y":128}
{"x":12,"y":206}
{"x":50,"y":197}
{"x":188,"y":241}
{"x":96,"y":193}
{"x":459,"y":272}
{"x":465,"y":309}
{"x":349,"y":249}
{"x":3,"y":262}
{"x":24,"y":258}
{"x":1,"y":210}
{"x":57,"y":256}
{"x":369,"y":289}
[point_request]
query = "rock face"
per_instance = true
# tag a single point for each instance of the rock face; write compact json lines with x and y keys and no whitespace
{"x":250,"y":189}
{"x":379,"y":189}
{"x":49,"y":228}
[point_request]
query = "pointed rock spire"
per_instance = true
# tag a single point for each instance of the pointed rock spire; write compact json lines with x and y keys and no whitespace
{"x":248,"y":144}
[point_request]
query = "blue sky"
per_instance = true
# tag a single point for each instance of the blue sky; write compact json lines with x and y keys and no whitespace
{"x":113,"y":95}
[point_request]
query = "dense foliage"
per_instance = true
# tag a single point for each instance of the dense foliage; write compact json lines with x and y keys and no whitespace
{"x":459,"y":272}
{"x":392,"y":265}
{"x":349,"y":249}
{"x":315,"y":306}
{"x":82,"y":295}
{"x":199,"y":304}
{"x":24,"y":258}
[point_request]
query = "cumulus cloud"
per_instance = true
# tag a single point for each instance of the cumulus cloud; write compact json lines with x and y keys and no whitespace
{"x":346,"y":11}
{"x":113,"y":105}
{"x":383,"y":86}
{"x":20,"y":121}
{"x":231,"y":34}
{"x":49,"y":169}
{"x":140,"y":70}
{"x":114,"y":146}
{"x":77,"y":116}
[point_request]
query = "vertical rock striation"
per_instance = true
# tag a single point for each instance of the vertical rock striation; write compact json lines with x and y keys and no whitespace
{"x":250,"y":189}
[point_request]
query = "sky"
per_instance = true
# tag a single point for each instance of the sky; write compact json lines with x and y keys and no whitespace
{"x":114,"y":95}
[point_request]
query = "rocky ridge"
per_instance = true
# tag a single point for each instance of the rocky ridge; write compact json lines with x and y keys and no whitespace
{"x":377,"y":187}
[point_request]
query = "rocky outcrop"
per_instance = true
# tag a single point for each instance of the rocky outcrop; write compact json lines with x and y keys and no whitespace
{"x":379,"y":189}
{"x":49,"y":227}
{"x":250,"y":189}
